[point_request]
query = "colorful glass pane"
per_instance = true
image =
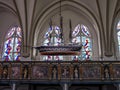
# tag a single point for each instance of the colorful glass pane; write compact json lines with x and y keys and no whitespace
{"x":17,"y":45}
{"x":74,"y":40}
{"x":85,"y":30}
{"x":118,"y":37}
{"x":119,"y":48}
{"x":75,"y":58}
{"x":57,"y":41}
{"x":58,"y":58}
{"x":78,"y":39}
{"x":57,"y":30}
{"x":7,"y":57}
{"x":46,"y":42}
{"x":87,"y":45}
{"x":17,"y":56}
{"x":83,"y":55}
{"x":50,"y":30}
{"x":47,"y":35}
{"x":85,"y":39}
{"x":86,"y":55}
{"x":19,"y":31}
{"x":47,"y":58}
{"x":86,"y":48}
{"x":8,"y":48}
{"x":12,"y":45}
{"x":118,"y":33}
{"x":118,"y":25}
{"x":10,"y":33}
{"x":76,"y":31}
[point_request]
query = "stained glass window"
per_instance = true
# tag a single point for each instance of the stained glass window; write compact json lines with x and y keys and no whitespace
{"x":12,"y":45}
{"x":118,"y":35}
{"x":52,"y":37}
{"x":118,"y":25}
{"x":82,"y":35}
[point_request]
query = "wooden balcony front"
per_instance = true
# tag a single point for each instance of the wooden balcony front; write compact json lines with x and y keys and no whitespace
{"x":58,"y":72}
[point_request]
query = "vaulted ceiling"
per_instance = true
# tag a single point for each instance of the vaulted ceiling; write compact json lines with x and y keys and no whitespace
{"x":30,"y":14}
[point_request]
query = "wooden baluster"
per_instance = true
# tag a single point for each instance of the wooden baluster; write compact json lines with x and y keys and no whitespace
{"x":10,"y":71}
{"x":59,"y":71}
{"x":0,"y":71}
{"x":102,"y":72}
{"x":50,"y":72}
{"x":71,"y":71}
{"x":29,"y":71}
{"x":81,"y":72}
{"x":111,"y":71}
{"x":21,"y":71}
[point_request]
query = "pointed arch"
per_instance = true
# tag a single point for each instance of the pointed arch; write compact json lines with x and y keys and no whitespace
{"x":12,"y":44}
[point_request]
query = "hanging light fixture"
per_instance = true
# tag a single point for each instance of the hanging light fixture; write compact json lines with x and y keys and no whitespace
{"x":69,"y":49}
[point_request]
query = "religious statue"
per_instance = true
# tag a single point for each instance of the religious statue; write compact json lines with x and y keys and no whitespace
{"x":54,"y":73}
{"x":5,"y":72}
{"x":65,"y":72}
{"x":106,"y":72}
{"x":76,"y":72}
{"x":25,"y":72}
{"x":15,"y":72}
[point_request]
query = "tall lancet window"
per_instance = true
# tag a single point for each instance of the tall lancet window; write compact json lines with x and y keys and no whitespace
{"x":53,"y":38}
{"x":82,"y":35}
{"x":118,"y":35}
{"x":12,"y":45}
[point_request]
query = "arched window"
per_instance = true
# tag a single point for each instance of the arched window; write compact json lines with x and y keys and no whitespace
{"x":53,"y":37}
{"x":82,"y":35}
{"x":12,"y":45}
{"x":118,"y":35}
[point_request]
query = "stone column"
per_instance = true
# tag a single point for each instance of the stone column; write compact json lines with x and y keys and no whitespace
{"x":65,"y":86}
{"x":118,"y":86}
{"x":13,"y":86}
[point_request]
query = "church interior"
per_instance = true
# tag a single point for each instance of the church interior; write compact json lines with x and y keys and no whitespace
{"x":59,"y":44}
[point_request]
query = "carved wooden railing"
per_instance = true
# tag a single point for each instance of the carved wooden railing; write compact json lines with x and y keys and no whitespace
{"x":90,"y":71}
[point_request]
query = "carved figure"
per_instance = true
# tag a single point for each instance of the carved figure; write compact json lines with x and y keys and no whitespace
{"x":5,"y":72}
